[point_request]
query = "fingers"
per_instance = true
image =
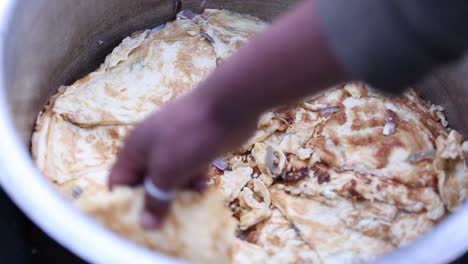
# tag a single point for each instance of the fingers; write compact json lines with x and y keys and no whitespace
{"x":154,"y":212}
{"x":165,"y":149}
{"x":130,"y":165}
{"x":198,"y":184}
{"x":157,"y":206}
{"x":126,"y":171}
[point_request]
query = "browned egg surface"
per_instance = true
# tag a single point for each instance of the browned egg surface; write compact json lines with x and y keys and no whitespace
{"x":344,"y":176}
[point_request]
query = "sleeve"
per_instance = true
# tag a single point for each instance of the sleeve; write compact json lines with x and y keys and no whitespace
{"x":392,"y":44}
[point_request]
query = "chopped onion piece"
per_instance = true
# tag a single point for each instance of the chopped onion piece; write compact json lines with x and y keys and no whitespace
{"x":220,"y":164}
{"x":207,"y":37}
{"x":329,"y":110}
{"x":282,"y":119}
{"x":437,"y":108}
{"x":391,"y":124}
{"x":270,"y":159}
{"x":388,"y":129}
{"x":158,"y":28}
{"x":437,"y":112}
{"x":187,"y":14}
{"x":76,"y":191}
{"x":261,"y":190}
{"x":275,"y":160}
{"x":314,"y":107}
{"x":247,"y":200}
{"x":420,"y":155}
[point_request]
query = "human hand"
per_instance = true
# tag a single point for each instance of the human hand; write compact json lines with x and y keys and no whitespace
{"x":173,"y":147}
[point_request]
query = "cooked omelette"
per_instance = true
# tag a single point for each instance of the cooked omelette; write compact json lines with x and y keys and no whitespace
{"x":340,"y":177}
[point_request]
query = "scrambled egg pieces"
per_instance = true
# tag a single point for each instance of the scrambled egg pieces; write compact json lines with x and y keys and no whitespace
{"x":340,"y":177}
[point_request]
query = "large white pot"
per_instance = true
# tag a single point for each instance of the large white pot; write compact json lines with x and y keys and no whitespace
{"x":41,"y":46}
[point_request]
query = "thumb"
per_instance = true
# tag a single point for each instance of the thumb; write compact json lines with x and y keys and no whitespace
{"x":158,"y":199}
{"x":159,"y":188}
{"x":131,"y":162}
{"x":154,"y":212}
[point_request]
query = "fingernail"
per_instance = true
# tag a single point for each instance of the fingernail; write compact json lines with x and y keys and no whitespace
{"x":148,"y":221}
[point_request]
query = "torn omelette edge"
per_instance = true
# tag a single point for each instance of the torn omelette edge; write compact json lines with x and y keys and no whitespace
{"x":267,"y":134}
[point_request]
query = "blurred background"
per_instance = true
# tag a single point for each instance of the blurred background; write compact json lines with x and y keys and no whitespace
{"x":22,"y":242}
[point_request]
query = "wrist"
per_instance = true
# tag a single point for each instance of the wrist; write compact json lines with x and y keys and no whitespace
{"x":223,"y":109}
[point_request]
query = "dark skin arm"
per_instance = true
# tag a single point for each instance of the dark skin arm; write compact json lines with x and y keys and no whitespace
{"x":175,"y":145}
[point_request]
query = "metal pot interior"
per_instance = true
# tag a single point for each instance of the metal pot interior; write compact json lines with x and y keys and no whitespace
{"x":55,"y":42}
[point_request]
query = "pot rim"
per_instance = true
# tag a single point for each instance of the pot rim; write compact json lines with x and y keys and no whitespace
{"x":23,"y":182}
